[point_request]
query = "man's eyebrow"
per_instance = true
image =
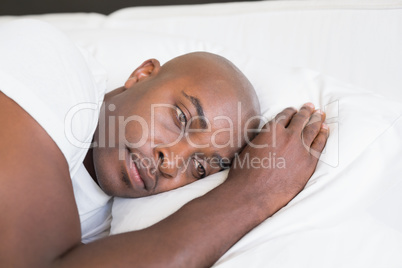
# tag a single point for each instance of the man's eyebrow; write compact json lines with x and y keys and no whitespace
{"x":200,"y":111}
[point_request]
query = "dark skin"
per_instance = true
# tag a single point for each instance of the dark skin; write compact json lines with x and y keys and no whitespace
{"x":42,"y":227}
{"x":175,"y":84}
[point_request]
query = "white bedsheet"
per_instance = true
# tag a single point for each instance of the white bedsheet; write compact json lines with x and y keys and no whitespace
{"x":355,"y":41}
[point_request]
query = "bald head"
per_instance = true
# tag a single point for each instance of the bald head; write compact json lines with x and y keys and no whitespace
{"x":219,"y":77}
{"x":211,"y":67}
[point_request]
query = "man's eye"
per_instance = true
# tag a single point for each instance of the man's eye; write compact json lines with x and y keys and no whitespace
{"x":181,"y":117}
{"x":199,"y":168}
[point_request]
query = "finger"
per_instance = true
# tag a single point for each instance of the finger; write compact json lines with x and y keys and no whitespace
{"x":313,"y":127}
{"x":284,"y":117}
{"x":320,"y":140}
{"x":300,"y":119}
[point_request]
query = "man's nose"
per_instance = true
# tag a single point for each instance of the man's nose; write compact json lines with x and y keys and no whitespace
{"x":172,"y":159}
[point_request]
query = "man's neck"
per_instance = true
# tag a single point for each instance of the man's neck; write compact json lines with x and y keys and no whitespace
{"x":89,"y":165}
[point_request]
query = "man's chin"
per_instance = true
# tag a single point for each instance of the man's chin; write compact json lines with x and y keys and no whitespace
{"x":119,"y":190}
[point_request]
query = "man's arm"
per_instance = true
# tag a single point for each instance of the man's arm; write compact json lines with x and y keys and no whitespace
{"x":40,"y":225}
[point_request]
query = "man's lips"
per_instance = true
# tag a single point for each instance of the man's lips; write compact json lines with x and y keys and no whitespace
{"x":132,"y":171}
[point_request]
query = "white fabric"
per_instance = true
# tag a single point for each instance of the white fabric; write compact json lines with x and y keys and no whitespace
{"x":45,"y":73}
{"x":136,"y":214}
{"x":356,"y":42}
{"x":65,"y":22}
{"x":309,"y":234}
{"x":94,"y":207}
{"x":121,"y":53}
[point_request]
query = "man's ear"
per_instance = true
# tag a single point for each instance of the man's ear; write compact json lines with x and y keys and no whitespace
{"x":147,"y":68}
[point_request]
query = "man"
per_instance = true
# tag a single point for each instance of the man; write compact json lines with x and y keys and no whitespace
{"x":195,"y":95}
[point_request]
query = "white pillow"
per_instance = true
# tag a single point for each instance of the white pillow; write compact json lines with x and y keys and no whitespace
{"x":169,"y":202}
{"x":356,"y":118}
{"x":122,"y":51}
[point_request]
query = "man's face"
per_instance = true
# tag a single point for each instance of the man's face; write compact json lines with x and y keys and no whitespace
{"x":164,"y":132}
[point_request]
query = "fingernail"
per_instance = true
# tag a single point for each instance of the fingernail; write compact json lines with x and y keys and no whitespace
{"x":319,"y":111}
{"x":309,"y":104}
{"x":324,"y":126}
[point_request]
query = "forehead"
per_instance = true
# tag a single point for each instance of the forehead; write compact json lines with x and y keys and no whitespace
{"x":213,"y":93}
{"x":213,"y":102}
{"x":213,"y":122}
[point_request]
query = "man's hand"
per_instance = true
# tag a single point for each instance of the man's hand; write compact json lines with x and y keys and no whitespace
{"x":276,"y":165}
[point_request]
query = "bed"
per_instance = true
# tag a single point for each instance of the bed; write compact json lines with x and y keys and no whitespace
{"x":345,"y":56}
